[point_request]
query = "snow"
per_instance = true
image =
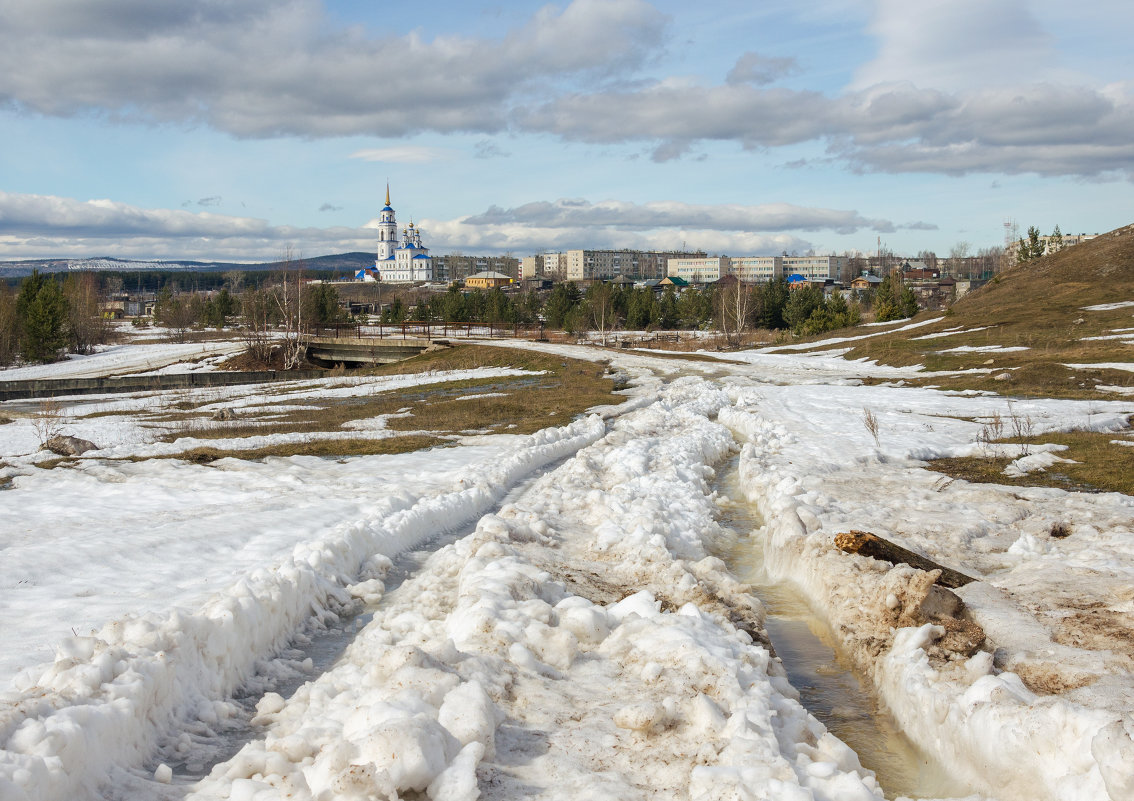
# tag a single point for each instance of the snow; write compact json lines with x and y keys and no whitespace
{"x":1128,"y":366}
{"x":1032,"y":462}
{"x":950,"y":332}
{"x":127,"y":360}
{"x":578,"y":635}
{"x":986,"y":349}
{"x":1122,"y":304}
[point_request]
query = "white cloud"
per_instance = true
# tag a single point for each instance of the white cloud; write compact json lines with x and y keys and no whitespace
{"x":964,"y":86}
{"x":256,"y":68}
{"x":404,"y":154}
{"x":616,"y":214}
{"x":758,"y":69}
{"x":1041,"y":128}
{"x":41,"y":226}
{"x":957,"y":45}
{"x":523,"y":238}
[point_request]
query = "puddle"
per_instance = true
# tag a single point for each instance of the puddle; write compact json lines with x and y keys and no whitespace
{"x":829,"y":688}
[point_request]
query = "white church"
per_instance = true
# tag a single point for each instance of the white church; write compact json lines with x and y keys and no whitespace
{"x":403,"y":261}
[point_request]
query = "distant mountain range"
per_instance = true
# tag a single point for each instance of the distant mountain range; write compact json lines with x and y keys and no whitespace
{"x":338,"y":262}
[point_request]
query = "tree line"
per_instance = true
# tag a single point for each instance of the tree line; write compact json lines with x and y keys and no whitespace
{"x":48,"y":317}
{"x":730,"y":307}
{"x":1032,"y":247}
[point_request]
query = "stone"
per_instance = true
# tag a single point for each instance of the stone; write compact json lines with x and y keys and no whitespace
{"x":69,"y":446}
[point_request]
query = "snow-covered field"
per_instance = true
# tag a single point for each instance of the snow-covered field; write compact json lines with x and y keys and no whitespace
{"x":577,"y":634}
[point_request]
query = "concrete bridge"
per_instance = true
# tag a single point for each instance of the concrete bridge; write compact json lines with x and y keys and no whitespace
{"x":355,"y":351}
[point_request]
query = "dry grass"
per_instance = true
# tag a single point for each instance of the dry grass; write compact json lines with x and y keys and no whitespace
{"x":1099,"y":465}
{"x":338,"y":449}
{"x":1038,"y":306}
{"x":565,"y":389}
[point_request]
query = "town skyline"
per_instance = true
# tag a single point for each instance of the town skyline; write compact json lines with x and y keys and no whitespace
{"x":209,"y":133}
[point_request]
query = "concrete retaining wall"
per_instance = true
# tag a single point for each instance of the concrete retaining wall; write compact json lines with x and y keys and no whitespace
{"x":53,"y":387}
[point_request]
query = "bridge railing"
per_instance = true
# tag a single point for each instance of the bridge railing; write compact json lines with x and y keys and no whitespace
{"x":428,"y":330}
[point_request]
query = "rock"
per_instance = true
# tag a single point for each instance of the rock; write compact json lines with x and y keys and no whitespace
{"x":224,"y":414}
{"x":1002,"y":377}
{"x":70,"y":446}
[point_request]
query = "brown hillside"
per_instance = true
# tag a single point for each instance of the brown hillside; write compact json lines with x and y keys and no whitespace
{"x":1038,"y":306}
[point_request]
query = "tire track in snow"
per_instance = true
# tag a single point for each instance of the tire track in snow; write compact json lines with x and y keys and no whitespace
{"x":107,"y":699}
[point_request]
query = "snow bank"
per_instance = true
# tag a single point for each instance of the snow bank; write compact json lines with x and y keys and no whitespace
{"x":577,"y":645}
{"x":814,"y":471}
{"x":106,"y":697}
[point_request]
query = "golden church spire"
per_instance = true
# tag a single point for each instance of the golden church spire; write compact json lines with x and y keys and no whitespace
{"x":387,"y":193}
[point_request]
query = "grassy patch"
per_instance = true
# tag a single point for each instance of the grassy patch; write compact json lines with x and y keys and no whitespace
{"x":337,"y":448}
{"x":564,"y":389}
{"x":1099,"y":465}
{"x":1038,"y":306}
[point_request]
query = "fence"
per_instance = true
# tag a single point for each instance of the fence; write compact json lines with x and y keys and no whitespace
{"x":428,"y":330}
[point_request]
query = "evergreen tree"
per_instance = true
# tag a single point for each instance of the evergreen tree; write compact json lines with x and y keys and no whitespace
{"x":695,"y":308}
{"x":42,"y":312}
{"x":1055,"y":242}
{"x":667,"y":309}
{"x":907,"y":302}
{"x":219,"y":308}
{"x":453,"y":305}
{"x":9,"y":325}
{"x":641,"y":310}
{"x":320,"y":304}
{"x":563,"y":300}
{"x":1032,"y":247}
{"x":886,"y":300}
{"x":770,"y":303}
{"x":802,"y":303}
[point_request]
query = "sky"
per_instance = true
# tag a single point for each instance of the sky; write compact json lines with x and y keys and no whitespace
{"x":236,"y":129}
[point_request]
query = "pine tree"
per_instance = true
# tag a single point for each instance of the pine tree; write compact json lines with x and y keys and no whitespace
{"x":770,"y":304}
{"x":803,"y":302}
{"x":1055,"y":241}
{"x":886,"y":306}
{"x":1035,"y":244}
{"x":42,"y":311}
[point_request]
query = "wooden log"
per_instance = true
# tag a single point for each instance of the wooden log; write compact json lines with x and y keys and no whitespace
{"x":866,"y":544}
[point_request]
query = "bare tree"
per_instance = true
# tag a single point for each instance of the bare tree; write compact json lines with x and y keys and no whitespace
{"x":176,"y":312}
{"x":234,"y":280}
{"x":958,"y":260}
{"x":600,"y":298}
{"x":288,"y":298}
{"x":256,"y":307}
{"x":85,"y":322}
{"x":734,"y":311}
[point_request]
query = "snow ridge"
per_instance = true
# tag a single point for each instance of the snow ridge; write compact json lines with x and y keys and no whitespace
{"x":107,"y":696}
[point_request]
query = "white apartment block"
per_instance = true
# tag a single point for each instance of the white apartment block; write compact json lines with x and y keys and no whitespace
{"x":756,"y":269}
{"x":589,"y":265}
{"x":815,"y":268}
{"x":700,"y":270}
{"x":531,"y":267}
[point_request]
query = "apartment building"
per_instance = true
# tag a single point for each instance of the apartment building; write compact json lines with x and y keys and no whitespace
{"x":701,"y":270}
{"x":589,"y":265}
{"x":531,"y":267}
{"x":756,"y":269}
{"x":816,"y":268}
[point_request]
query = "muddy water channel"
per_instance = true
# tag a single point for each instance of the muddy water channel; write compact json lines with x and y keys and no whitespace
{"x":829,"y":688}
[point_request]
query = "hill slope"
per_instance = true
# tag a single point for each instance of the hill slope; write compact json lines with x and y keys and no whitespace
{"x":1030,"y":323}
